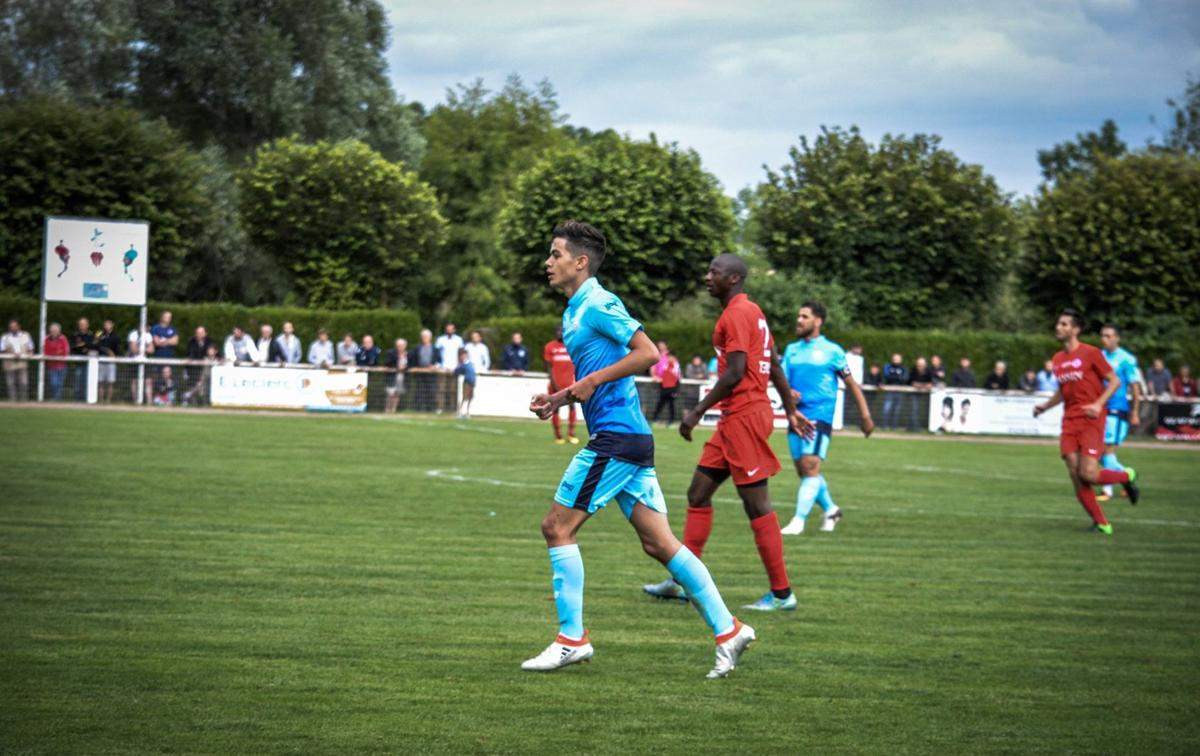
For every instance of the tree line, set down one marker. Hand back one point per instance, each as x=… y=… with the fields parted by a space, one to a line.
x=276 y=165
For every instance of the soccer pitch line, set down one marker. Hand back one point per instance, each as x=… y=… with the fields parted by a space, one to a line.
x=452 y=474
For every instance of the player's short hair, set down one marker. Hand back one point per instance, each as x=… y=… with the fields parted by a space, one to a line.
x=816 y=307
x=583 y=239
x=1113 y=326
x=1076 y=318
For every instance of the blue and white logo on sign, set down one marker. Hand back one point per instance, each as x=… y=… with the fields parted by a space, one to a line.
x=95 y=291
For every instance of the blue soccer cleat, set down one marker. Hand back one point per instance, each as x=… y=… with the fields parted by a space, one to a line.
x=768 y=603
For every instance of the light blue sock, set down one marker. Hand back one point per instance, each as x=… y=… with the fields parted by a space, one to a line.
x=567 y=566
x=807 y=496
x=1109 y=462
x=823 y=497
x=691 y=573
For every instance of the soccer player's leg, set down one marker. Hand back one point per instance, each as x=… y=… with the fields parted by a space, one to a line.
x=1116 y=428
x=697 y=526
x=807 y=456
x=643 y=504
x=1078 y=448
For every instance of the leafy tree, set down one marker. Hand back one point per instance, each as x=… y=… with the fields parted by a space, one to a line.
x=235 y=73
x=348 y=225
x=664 y=216
x=1120 y=242
x=478 y=141
x=918 y=234
x=1068 y=158
x=1183 y=134
x=57 y=158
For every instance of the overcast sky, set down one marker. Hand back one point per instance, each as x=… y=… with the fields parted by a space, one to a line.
x=739 y=82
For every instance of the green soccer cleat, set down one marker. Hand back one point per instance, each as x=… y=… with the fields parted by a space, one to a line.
x=1106 y=529
x=1131 y=489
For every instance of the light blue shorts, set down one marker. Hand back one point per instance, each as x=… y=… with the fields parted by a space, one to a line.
x=818 y=445
x=1116 y=428
x=590 y=482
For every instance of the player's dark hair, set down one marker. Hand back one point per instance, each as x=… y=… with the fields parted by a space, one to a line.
x=1113 y=326
x=1074 y=315
x=816 y=307
x=583 y=239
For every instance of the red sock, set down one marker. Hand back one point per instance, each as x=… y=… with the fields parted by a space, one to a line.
x=557 y=423
x=770 y=548
x=696 y=529
x=1087 y=497
x=1108 y=477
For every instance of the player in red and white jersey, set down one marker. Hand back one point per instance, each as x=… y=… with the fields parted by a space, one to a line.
x=740 y=448
x=562 y=374
x=1085 y=383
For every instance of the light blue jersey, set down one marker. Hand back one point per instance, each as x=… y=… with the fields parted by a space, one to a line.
x=813 y=367
x=597 y=329
x=1124 y=364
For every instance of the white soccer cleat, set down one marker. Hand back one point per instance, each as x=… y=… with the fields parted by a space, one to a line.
x=831 y=520
x=561 y=653
x=667 y=589
x=795 y=527
x=731 y=649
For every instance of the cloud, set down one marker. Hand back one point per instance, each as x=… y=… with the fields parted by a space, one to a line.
x=739 y=83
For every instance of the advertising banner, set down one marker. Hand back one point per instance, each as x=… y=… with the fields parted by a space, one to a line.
x=1178 y=421
x=289 y=388
x=95 y=260
x=507 y=395
x=976 y=412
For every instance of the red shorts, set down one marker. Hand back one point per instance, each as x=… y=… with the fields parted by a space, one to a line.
x=741 y=445
x=1083 y=436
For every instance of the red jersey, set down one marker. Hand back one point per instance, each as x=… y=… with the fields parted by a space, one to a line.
x=742 y=328
x=558 y=362
x=1080 y=375
x=667 y=371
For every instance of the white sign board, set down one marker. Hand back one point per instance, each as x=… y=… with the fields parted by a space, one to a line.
x=95 y=260
x=960 y=411
x=289 y=388
x=506 y=395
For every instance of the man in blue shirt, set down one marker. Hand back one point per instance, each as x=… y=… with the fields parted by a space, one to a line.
x=1122 y=413
x=813 y=365
x=608 y=348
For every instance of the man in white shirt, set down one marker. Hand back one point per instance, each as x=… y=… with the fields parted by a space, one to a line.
x=18 y=343
x=239 y=347
x=449 y=343
x=138 y=346
x=289 y=351
x=266 y=335
x=320 y=352
x=478 y=353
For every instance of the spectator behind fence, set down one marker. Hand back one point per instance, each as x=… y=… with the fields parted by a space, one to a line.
x=239 y=347
x=108 y=344
x=347 y=350
x=938 y=368
x=368 y=353
x=1158 y=378
x=425 y=355
x=964 y=377
x=695 y=369
x=267 y=350
x=288 y=349
x=516 y=357
x=997 y=380
x=1183 y=386
x=478 y=351
x=200 y=391
x=164 y=336
x=856 y=349
x=320 y=352
x=197 y=350
x=895 y=375
x=16 y=343
x=448 y=345
x=83 y=344
x=666 y=374
x=1028 y=382
x=466 y=369
x=921 y=376
x=139 y=342
x=396 y=361
x=874 y=376
x=1045 y=378
x=56 y=345
x=164 y=387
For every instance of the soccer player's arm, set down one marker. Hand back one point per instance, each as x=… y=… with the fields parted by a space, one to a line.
x=1053 y=401
x=800 y=424
x=866 y=423
x=1135 y=385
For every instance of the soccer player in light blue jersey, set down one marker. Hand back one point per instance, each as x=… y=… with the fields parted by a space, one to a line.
x=1122 y=412
x=608 y=348
x=813 y=365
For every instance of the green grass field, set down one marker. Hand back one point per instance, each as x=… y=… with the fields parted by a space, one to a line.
x=239 y=583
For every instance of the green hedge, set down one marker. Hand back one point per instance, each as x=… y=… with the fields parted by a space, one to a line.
x=685 y=337
x=219 y=319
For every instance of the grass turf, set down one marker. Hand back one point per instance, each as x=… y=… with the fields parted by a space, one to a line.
x=235 y=583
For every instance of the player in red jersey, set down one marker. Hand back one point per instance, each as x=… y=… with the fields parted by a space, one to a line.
x=1082 y=372
x=562 y=374
x=740 y=448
